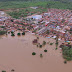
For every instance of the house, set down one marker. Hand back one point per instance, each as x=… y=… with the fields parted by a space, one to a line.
x=37 y=17
x=35 y=41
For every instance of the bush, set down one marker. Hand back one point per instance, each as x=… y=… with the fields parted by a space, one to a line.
x=23 y=33
x=67 y=53
x=2 y=26
x=40 y=46
x=65 y=62
x=45 y=50
x=12 y=34
x=41 y=55
x=56 y=48
x=3 y=71
x=51 y=43
x=44 y=43
x=56 y=43
x=2 y=32
x=18 y=34
x=33 y=53
x=8 y=32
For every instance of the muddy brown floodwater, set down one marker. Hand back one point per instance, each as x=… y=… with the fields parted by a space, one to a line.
x=16 y=53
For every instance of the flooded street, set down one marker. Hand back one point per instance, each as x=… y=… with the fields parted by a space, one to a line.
x=16 y=53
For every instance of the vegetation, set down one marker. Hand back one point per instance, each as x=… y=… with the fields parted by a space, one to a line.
x=56 y=42
x=12 y=34
x=56 y=48
x=22 y=8
x=65 y=61
x=60 y=4
x=18 y=34
x=2 y=26
x=25 y=12
x=45 y=50
x=23 y=33
x=33 y=53
x=67 y=52
x=41 y=55
x=51 y=43
x=44 y=43
x=11 y=20
x=2 y=32
x=3 y=71
x=40 y=46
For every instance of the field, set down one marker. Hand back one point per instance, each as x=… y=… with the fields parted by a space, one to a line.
x=45 y=4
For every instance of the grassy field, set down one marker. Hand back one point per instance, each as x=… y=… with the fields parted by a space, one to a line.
x=43 y=5
x=23 y=4
x=25 y=12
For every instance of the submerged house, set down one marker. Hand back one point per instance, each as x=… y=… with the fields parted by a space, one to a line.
x=35 y=41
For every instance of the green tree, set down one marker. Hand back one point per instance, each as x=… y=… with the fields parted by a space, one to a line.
x=23 y=33
x=18 y=34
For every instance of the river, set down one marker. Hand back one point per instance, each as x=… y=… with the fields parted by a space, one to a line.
x=16 y=53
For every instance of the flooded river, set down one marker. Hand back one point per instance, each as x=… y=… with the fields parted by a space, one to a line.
x=16 y=53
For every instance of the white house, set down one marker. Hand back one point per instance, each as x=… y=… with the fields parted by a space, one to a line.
x=36 y=17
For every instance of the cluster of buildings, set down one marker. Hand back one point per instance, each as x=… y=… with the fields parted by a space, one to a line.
x=54 y=23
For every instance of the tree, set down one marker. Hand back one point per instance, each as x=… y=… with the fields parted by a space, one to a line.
x=51 y=43
x=33 y=53
x=18 y=34
x=70 y=29
x=23 y=33
x=41 y=55
x=3 y=71
x=45 y=50
x=11 y=20
x=2 y=32
x=44 y=43
x=40 y=46
x=12 y=34
x=65 y=61
x=67 y=52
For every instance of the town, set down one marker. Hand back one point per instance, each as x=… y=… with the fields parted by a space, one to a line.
x=53 y=23
x=35 y=35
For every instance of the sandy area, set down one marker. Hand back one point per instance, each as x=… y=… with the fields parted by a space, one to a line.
x=16 y=53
